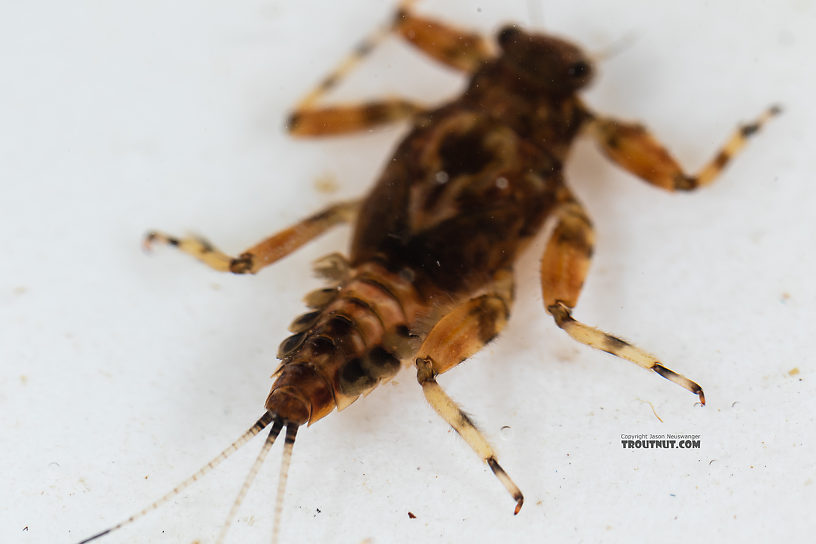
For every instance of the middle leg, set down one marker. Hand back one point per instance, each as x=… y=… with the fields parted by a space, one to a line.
x=265 y=252
x=563 y=268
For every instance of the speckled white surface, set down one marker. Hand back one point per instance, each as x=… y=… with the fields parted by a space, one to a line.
x=121 y=373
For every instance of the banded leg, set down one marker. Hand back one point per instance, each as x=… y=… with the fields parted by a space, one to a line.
x=310 y=121
x=266 y=252
x=454 y=48
x=563 y=268
x=457 y=336
x=633 y=148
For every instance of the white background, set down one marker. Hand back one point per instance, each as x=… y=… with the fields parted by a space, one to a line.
x=122 y=372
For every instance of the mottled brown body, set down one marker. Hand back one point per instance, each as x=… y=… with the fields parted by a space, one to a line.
x=429 y=277
x=464 y=192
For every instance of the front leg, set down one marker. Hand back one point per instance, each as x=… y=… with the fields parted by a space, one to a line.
x=457 y=49
x=633 y=148
x=453 y=47
x=310 y=121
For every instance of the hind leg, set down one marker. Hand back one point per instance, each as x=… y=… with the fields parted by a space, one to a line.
x=563 y=268
x=457 y=336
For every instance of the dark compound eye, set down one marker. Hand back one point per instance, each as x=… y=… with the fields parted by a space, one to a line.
x=578 y=69
x=508 y=34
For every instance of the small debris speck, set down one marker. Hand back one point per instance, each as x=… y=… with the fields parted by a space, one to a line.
x=326 y=183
